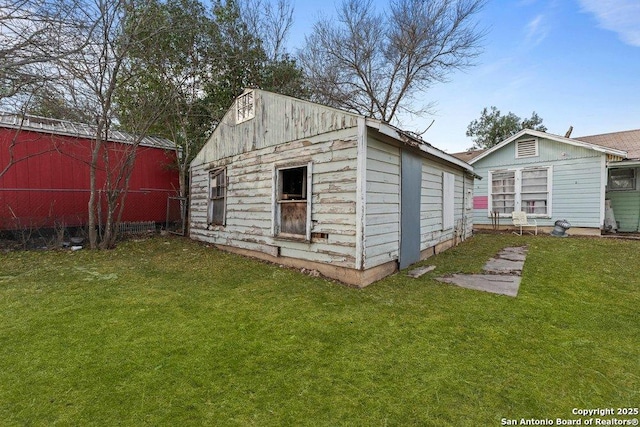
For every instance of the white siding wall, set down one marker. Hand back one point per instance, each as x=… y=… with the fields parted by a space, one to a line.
x=382 y=228
x=249 y=199
x=431 y=225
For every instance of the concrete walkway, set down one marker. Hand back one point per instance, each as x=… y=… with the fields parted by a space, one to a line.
x=502 y=273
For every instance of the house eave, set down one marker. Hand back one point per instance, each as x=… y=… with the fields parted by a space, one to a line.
x=624 y=163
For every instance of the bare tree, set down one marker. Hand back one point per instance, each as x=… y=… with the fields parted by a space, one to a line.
x=269 y=23
x=91 y=76
x=378 y=64
x=32 y=34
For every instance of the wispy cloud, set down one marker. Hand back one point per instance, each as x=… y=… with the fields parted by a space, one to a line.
x=537 y=30
x=619 y=16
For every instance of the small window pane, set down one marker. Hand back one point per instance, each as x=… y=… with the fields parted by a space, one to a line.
x=622 y=179
x=217 y=197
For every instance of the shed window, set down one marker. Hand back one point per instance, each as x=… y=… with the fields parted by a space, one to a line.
x=527 y=148
x=293 y=202
x=245 y=107
x=622 y=179
x=217 y=197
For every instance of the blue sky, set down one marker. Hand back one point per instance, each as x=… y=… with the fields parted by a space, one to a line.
x=574 y=62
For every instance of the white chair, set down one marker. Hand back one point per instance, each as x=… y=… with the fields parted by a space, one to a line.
x=520 y=220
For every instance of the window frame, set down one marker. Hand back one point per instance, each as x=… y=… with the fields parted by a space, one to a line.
x=518 y=201
x=245 y=107
x=278 y=201
x=504 y=193
x=632 y=179
x=213 y=178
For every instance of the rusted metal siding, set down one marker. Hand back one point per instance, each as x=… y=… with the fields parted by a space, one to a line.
x=278 y=119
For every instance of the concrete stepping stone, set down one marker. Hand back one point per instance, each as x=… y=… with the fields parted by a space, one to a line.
x=497 y=284
x=417 y=272
x=503 y=273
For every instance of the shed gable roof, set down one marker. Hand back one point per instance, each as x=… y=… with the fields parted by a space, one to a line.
x=552 y=137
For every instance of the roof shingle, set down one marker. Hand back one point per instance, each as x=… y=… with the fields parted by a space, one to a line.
x=628 y=141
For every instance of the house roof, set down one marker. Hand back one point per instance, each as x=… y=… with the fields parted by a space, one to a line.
x=467 y=156
x=79 y=130
x=557 y=138
x=628 y=141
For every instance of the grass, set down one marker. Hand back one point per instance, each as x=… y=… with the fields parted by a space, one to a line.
x=169 y=332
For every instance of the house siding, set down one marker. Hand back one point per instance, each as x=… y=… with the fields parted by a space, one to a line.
x=626 y=207
x=576 y=181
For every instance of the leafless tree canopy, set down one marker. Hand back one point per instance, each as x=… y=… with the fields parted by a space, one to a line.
x=269 y=23
x=33 y=33
x=378 y=64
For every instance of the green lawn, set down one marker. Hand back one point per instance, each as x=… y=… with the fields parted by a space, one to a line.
x=169 y=332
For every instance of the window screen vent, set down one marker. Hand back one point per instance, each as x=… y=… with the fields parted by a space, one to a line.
x=528 y=148
x=245 y=107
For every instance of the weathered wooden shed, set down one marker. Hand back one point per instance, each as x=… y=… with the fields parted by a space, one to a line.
x=309 y=186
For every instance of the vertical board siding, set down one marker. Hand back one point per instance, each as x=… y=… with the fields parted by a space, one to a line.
x=382 y=220
x=47 y=182
x=249 y=199
x=278 y=119
x=576 y=181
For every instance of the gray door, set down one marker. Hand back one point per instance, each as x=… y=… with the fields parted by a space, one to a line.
x=411 y=172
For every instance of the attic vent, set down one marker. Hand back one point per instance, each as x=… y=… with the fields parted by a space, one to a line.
x=245 y=107
x=527 y=148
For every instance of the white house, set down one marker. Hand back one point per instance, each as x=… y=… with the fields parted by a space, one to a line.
x=309 y=186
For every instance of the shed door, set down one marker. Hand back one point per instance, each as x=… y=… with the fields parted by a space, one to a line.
x=411 y=171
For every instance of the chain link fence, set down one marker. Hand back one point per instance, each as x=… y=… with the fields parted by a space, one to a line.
x=40 y=217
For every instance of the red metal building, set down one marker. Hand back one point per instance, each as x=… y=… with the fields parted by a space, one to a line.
x=44 y=173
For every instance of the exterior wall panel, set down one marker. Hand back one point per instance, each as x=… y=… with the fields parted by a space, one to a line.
x=576 y=181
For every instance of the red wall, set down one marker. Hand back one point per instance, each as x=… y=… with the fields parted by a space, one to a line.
x=48 y=181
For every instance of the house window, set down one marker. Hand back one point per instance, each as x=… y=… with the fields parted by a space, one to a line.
x=503 y=191
x=293 y=202
x=534 y=191
x=622 y=179
x=527 y=190
x=245 y=107
x=217 y=197
x=526 y=148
